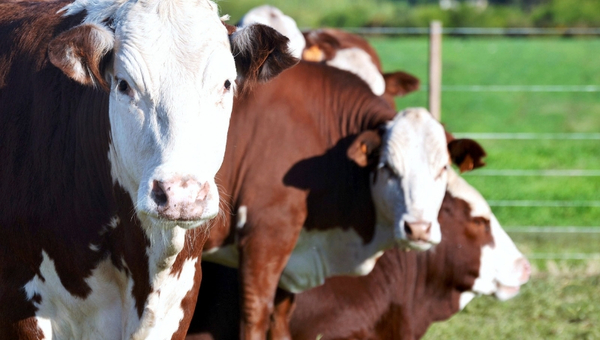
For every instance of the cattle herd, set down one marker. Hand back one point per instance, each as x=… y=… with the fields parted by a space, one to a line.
x=139 y=137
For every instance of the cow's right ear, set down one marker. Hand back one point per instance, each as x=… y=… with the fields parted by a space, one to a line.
x=80 y=51
x=400 y=83
x=261 y=53
x=467 y=154
x=365 y=148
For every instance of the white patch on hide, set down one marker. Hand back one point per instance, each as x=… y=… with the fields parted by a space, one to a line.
x=66 y=316
x=359 y=62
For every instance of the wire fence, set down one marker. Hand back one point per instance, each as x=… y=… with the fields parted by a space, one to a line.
x=522 y=31
x=476 y=88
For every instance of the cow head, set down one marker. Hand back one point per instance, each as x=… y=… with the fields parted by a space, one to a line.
x=502 y=267
x=170 y=73
x=409 y=179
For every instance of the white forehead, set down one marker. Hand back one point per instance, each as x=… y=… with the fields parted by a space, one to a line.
x=177 y=28
x=415 y=136
x=274 y=17
x=459 y=188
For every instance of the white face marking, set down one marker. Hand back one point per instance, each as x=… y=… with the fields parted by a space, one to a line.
x=273 y=17
x=169 y=107
x=359 y=62
x=411 y=179
x=503 y=268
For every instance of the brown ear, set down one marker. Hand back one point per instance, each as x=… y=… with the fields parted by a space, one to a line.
x=400 y=83
x=365 y=148
x=320 y=46
x=467 y=154
x=261 y=53
x=80 y=51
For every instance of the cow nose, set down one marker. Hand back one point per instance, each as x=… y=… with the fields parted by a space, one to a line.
x=418 y=231
x=180 y=199
x=524 y=268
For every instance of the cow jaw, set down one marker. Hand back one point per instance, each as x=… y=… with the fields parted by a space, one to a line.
x=503 y=268
x=409 y=184
x=169 y=108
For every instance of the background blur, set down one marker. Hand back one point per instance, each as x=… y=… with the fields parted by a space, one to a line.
x=534 y=103
x=452 y=13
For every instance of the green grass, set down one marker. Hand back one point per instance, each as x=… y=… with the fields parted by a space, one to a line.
x=560 y=301
x=551 y=306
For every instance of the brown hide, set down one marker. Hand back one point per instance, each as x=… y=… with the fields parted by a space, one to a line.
x=323 y=44
x=399 y=299
x=286 y=162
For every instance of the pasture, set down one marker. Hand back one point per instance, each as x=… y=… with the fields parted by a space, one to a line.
x=560 y=301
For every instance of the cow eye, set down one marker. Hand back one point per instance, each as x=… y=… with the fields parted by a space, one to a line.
x=227 y=85
x=389 y=169
x=123 y=86
x=444 y=169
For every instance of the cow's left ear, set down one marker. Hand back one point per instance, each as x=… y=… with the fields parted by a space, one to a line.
x=400 y=83
x=80 y=51
x=261 y=53
x=467 y=154
x=365 y=148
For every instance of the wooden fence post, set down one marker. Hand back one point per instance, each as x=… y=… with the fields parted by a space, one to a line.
x=435 y=69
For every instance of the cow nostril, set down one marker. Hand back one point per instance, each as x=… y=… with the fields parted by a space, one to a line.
x=158 y=194
x=407 y=229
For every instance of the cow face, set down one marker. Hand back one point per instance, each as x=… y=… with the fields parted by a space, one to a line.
x=170 y=73
x=409 y=182
x=502 y=267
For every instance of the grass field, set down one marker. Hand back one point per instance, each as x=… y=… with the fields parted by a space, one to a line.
x=561 y=300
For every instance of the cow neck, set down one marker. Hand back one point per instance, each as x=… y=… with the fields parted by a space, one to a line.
x=340 y=195
x=160 y=256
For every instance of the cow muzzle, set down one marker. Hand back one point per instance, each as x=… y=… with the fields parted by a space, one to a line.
x=181 y=199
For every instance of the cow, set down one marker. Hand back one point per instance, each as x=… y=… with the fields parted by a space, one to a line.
x=113 y=123
x=336 y=48
x=314 y=159
x=350 y=52
x=404 y=294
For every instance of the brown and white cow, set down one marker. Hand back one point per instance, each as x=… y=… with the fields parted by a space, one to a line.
x=404 y=294
x=324 y=176
x=336 y=48
x=350 y=52
x=113 y=123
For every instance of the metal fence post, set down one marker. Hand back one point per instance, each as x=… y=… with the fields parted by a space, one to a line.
x=435 y=69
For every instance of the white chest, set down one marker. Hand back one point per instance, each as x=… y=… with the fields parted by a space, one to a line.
x=109 y=311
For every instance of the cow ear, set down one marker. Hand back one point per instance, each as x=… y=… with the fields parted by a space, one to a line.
x=320 y=46
x=400 y=83
x=467 y=154
x=365 y=148
x=80 y=53
x=261 y=53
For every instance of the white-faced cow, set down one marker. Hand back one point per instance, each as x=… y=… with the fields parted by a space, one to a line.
x=404 y=294
x=324 y=176
x=113 y=123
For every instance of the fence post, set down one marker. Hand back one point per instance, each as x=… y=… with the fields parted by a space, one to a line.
x=435 y=69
